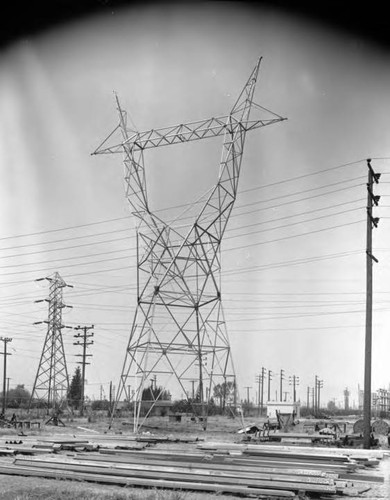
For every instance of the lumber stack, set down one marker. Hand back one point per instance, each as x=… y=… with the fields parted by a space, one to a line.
x=174 y=476
x=264 y=471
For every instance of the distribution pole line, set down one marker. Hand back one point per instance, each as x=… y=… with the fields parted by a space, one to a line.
x=315 y=394
x=371 y=223
x=84 y=336
x=5 y=341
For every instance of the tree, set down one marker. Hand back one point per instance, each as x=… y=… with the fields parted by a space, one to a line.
x=224 y=393
x=18 y=397
x=152 y=393
x=75 y=390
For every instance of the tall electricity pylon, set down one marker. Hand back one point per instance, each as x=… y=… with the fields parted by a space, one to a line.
x=52 y=382
x=179 y=333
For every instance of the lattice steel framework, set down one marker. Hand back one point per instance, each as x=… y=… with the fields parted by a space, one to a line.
x=179 y=333
x=52 y=382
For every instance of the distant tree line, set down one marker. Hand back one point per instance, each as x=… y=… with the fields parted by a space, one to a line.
x=223 y=396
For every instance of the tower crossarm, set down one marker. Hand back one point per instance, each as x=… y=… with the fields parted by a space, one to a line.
x=193 y=131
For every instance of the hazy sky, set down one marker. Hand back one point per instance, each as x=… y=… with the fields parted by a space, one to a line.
x=293 y=277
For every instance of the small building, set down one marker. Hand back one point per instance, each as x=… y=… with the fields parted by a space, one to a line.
x=284 y=408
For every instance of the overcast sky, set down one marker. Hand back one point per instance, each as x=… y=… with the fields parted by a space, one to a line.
x=293 y=278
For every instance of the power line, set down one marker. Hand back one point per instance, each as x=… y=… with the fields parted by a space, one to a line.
x=226 y=250
x=132 y=236
x=47 y=231
x=293 y=236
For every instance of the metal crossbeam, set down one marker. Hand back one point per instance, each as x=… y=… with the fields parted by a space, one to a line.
x=177 y=134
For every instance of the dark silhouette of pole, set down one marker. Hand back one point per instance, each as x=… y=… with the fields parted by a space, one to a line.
x=235 y=392
x=281 y=384
x=320 y=386
x=5 y=341
x=8 y=379
x=247 y=393
x=84 y=343
x=262 y=390
x=258 y=380
x=269 y=384
x=294 y=381
x=371 y=222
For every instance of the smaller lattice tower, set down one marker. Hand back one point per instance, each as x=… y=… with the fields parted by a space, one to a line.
x=52 y=382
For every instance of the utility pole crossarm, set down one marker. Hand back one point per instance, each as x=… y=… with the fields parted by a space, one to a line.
x=193 y=131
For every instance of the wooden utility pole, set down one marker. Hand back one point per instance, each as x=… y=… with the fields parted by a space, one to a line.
x=262 y=390
x=269 y=385
x=371 y=222
x=111 y=396
x=5 y=341
x=294 y=381
x=84 y=343
x=320 y=386
x=193 y=389
x=8 y=379
x=260 y=379
x=281 y=384
x=247 y=393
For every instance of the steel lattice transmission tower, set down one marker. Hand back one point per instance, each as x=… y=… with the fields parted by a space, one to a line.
x=179 y=333
x=52 y=382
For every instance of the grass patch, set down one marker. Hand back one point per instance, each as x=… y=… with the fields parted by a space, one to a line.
x=85 y=493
